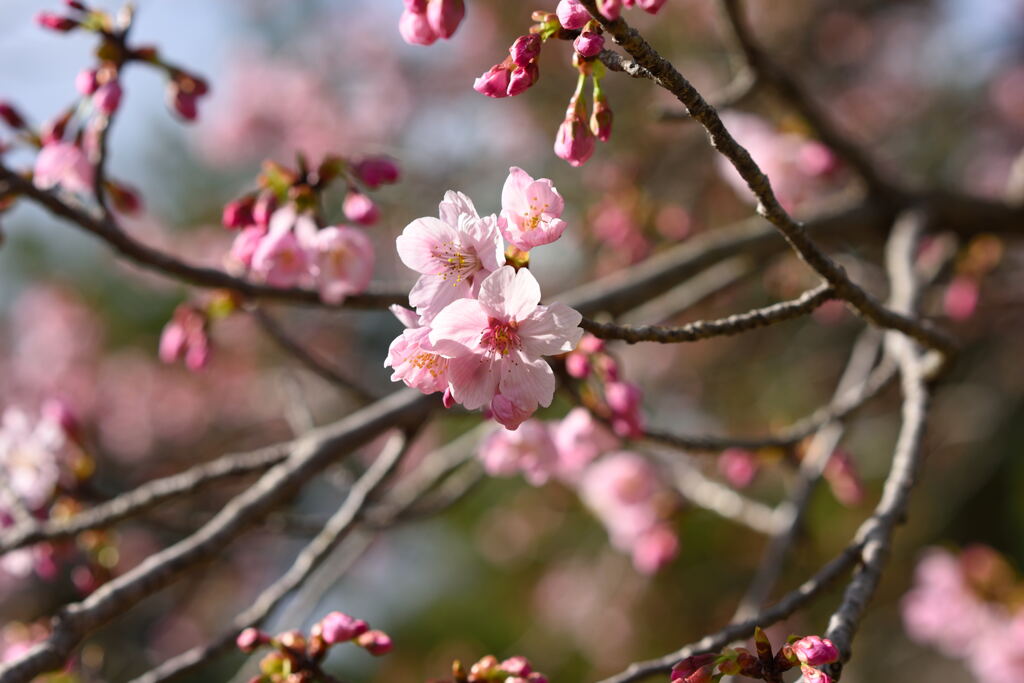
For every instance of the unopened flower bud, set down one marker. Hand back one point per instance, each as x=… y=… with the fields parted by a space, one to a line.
x=11 y=116
x=447 y=399
x=337 y=627
x=107 y=97
x=577 y=365
x=237 y=214
x=588 y=44
x=575 y=141
x=376 y=171
x=375 y=642
x=495 y=82
x=264 y=208
x=522 y=78
x=815 y=650
x=572 y=15
x=415 y=29
x=250 y=639
x=812 y=675
x=360 y=209
x=185 y=104
x=85 y=81
x=516 y=666
x=695 y=669
x=601 y=119
x=445 y=16
x=650 y=6
x=610 y=8
x=55 y=22
x=526 y=49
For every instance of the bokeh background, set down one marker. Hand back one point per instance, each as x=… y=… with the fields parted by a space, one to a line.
x=934 y=88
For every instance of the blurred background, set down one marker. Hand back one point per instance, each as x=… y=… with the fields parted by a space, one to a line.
x=935 y=89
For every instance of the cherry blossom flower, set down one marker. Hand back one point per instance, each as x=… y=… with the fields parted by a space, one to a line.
x=580 y=439
x=412 y=359
x=415 y=29
x=29 y=454
x=454 y=253
x=282 y=258
x=64 y=164
x=530 y=210
x=496 y=342
x=815 y=650
x=344 y=262
x=528 y=449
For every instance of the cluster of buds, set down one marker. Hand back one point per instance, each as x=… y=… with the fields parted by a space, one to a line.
x=282 y=240
x=296 y=657
x=808 y=653
x=424 y=21
x=516 y=73
x=619 y=401
x=490 y=669
x=579 y=132
x=186 y=337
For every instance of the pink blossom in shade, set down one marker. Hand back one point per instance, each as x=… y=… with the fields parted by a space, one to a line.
x=815 y=650
x=239 y=258
x=283 y=256
x=817 y=160
x=107 y=97
x=375 y=642
x=812 y=675
x=624 y=400
x=494 y=82
x=344 y=258
x=530 y=210
x=526 y=49
x=997 y=655
x=611 y=9
x=263 y=209
x=575 y=142
x=444 y=16
x=63 y=164
x=497 y=342
x=509 y=413
x=184 y=337
x=361 y=209
x=186 y=105
x=521 y=78
x=577 y=365
x=654 y=549
x=843 y=478
x=237 y=214
x=960 y=299
x=411 y=358
x=30 y=451
x=579 y=440
x=589 y=44
x=415 y=29
x=528 y=450
x=250 y=639
x=651 y=6
x=338 y=627
x=55 y=22
x=572 y=15
x=624 y=491
x=453 y=254
x=85 y=82
x=516 y=666
x=376 y=171
x=739 y=466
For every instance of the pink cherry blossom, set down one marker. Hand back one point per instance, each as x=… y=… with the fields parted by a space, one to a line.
x=739 y=466
x=444 y=16
x=624 y=400
x=508 y=412
x=528 y=449
x=580 y=439
x=651 y=6
x=655 y=548
x=282 y=258
x=960 y=300
x=85 y=82
x=64 y=164
x=812 y=675
x=815 y=650
x=415 y=29
x=107 y=97
x=344 y=262
x=239 y=258
x=454 y=253
x=530 y=210
x=496 y=342
x=412 y=359
x=337 y=627
x=29 y=454
x=361 y=209
x=575 y=141
x=376 y=171
x=572 y=15
x=494 y=82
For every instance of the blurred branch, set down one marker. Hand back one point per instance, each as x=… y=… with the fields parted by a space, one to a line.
x=153 y=259
x=705 y=329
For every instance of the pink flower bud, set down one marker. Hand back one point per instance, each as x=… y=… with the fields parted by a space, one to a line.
x=85 y=81
x=377 y=171
x=360 y=209
x=447 y=399
x=601 y=119
x=250 y=639
x=575 y=141
x=961 y=298
x=55 y=22
x=817 y=160
x=239 y=258
x=812 y=675
x=739 y=466
x=375 y=642
x=508 y=412
x=522 y=78
x=525 y=49
x=11 y=116
x=237 y=214
x=445 y=16
x=494 y=83
x=577 y=365
x=417 y=6
x=185 y=104
x=650 y=6
x=610 y=8
x=107 y=97
x=264 y=208
x=516 y=666
x=338 y=627
x=624 y=399
x=815 y=650
x=693 y=669
x=415 y=29
x=184 y=336
x=572 y=15
x=589 y=44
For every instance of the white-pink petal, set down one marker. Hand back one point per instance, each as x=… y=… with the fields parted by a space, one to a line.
x=420 y=242
x=473 y=380
x=457 y=329
x=550 y=330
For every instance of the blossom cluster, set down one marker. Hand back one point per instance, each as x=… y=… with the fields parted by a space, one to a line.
x=424 y=21
x=968 y=608
x=808 y=653
x=489 y=669
x=479 y=333
x=297 y=656
x=623 y=489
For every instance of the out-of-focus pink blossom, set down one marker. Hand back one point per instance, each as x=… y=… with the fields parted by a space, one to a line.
x=239 y=258
x=497 y=342
x=250 y=639
x=415 y=29
x=579 y=440
x=445 y=16
x=739 y=466
x=375 y=642
x=283 y=256
x=63 y=164
x=376 y=171
x=29 y=455
x=264 y=208
x=344 y=262
x=107 y=97
x=572 y=15
x=528 y=450
x=611 y=9
x=184 y=337
x=577 y=365
x=237 y=214
x=338 y=627
x=530 y=210
x=360 y=209
x=55 y=22
x=85 y=82
x=960 y=300
x=624 y=400
x=843 y=478
x=651 y=6
x=655 y=548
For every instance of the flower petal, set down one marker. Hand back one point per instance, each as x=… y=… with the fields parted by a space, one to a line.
x=419 y=242
x=550 y=330
x=473 y=380
x=526 y=381
x=456 y=330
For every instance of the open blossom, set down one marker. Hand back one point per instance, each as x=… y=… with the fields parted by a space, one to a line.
x=343 y=257
x=64 y=164
x=29 y=453
x=412 y=358
x=496 y=342
x=580 y=439
x=454 y=253
x=530 y=210
x=528 y=449
x=282 y=258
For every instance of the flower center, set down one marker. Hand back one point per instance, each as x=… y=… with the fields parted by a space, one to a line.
x=431 y=362
x=501 y=336
x=459 y=263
